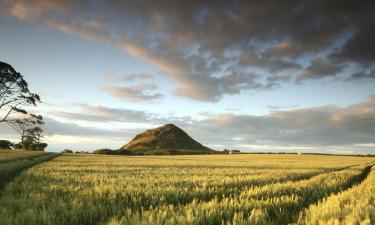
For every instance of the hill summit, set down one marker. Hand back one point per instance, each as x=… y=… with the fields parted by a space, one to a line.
x=166 y=137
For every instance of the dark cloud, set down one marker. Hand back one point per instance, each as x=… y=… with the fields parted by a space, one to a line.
x=363 y=75
x=201 y=45
x=319 y=68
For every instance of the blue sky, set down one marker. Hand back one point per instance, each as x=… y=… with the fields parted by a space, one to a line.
x=109 y=77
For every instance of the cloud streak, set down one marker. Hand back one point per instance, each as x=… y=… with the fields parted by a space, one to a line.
x=102 y=114
x=134 y=93
x=113 y=76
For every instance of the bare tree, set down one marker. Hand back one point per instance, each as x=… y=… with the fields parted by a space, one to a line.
x=14 y=93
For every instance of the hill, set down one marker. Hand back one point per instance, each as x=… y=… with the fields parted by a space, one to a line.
x=167 y=139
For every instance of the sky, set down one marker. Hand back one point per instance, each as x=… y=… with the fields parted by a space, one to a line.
x=296 y=76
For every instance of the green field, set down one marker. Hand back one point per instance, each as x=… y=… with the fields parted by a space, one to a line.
x=206 y=189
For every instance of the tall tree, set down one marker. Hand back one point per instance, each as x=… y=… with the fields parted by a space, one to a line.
x=14 y=93
x=29 y=129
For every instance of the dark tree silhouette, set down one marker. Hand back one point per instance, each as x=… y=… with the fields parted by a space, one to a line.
x=14 y=93
x=35 y=134
x=33 y=139
x=5 y=144
x=29 y=129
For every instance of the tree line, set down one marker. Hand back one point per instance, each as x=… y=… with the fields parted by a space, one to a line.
x=15 y=97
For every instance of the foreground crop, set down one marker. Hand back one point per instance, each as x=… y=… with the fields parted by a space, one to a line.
x=231 y=189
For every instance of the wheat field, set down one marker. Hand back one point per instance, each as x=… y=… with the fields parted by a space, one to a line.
x=209 y=189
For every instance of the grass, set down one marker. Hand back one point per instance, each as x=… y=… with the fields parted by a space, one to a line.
x=191 y=189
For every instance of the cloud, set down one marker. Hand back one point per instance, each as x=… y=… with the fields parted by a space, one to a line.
x=363 y=75
x=103 y=114
x=319 y=68
x=114 y=76
x=55 y=127
x=200 y=45
x=322 y=126
x=347 y=129
x=62 y=135
x=134 y=93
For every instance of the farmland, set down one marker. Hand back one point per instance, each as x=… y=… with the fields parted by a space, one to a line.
x=209 y=189
x=13 y=162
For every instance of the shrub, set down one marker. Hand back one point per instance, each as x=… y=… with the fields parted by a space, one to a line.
x=38 y=146
x=5 y=144
x=67 y=151
x=18 y=146
x=106 y=151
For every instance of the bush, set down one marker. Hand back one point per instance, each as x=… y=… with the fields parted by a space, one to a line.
x=81 y=152
x=103 y=151
x=106 y=151
x=67 y=151
x=5 y=144
x=32 y=147
x=38 y=146
x=18 y=146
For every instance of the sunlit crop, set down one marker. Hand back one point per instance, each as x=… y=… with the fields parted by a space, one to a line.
x=213 y=189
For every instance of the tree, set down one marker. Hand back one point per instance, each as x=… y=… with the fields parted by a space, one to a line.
x=14 y=93
x=29 y=129
x=5 y=144
x=35 y=134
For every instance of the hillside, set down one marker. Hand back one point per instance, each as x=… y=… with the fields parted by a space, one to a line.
x=168 y=139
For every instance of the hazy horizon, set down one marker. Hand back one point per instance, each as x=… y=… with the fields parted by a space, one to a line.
x=236 y=74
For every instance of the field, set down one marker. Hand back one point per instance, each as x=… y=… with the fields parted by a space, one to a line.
x=13 y=162
x=206 y=189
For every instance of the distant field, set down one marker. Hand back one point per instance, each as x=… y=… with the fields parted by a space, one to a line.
x=209 y=189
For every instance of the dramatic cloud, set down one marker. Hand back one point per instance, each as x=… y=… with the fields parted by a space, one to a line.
x=319 y=68
x=211 y=49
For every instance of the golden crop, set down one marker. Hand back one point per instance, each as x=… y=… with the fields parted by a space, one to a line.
x=209 y=189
